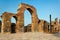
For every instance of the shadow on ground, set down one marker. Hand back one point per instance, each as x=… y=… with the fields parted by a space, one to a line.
x=57 y=34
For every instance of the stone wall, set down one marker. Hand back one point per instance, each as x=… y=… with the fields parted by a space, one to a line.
x=55 y=26
x=27 y=28
x=43 y=26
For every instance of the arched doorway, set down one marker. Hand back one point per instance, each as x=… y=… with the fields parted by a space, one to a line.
x=6 y=22
x=27 y=21
x=20 y=18
x=13 y=24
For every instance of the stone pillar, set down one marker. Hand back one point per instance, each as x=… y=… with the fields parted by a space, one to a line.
x=50 y=24
x=34 y=22
x=41 y=25
x=6 y=24
x=20 y=21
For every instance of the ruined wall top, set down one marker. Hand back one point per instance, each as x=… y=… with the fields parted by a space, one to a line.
x=25 y=6
x=8 y=14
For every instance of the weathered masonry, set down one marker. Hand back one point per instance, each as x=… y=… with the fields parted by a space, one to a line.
x=36 y=25
x=19 y=16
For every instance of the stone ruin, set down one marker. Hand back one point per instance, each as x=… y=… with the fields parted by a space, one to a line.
x=36 y=26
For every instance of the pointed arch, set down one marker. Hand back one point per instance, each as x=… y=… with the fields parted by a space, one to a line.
x=20 y=17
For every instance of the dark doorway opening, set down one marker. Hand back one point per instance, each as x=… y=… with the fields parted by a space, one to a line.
x=13 y=28
x=13 y=25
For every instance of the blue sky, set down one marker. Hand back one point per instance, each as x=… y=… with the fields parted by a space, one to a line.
x=44 y=8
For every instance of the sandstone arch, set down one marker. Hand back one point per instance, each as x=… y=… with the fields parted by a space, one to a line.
x=6 y=22
x=20 y=18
